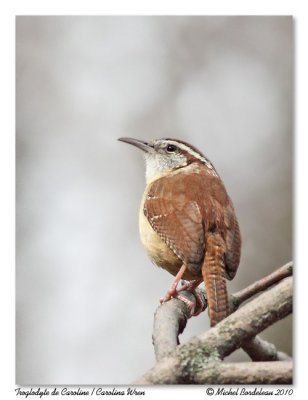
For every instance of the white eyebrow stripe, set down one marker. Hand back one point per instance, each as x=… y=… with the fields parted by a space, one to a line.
x=193 y=153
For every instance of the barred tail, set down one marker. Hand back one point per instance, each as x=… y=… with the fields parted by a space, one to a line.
x=213 y=272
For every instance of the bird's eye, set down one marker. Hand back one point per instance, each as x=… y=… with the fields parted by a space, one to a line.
x=171 y=148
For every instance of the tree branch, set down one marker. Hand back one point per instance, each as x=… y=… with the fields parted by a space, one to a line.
x=246 y=373
x=171 y=318
x=259 y=286
x=189 y=359
x=259 y=349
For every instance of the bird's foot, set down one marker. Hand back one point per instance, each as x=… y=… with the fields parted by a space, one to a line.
x=173 y=293
x=195 y=307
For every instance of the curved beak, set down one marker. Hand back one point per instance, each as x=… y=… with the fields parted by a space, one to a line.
x=142 y=145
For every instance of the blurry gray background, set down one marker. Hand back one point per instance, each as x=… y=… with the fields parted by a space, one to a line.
x=86 y=291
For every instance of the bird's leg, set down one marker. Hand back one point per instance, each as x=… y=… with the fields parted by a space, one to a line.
x=172 y=291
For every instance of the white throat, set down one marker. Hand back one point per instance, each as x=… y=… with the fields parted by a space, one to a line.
x=155 y=168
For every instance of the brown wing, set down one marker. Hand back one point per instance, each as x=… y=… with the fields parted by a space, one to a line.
x=177 y=219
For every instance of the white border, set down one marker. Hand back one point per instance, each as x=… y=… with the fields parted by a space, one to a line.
x=159 y=7
x=7 y=148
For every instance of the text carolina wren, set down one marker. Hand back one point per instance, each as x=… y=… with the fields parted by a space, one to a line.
x=187 y=221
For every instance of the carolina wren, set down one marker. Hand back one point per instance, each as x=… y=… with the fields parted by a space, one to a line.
x=187 y=222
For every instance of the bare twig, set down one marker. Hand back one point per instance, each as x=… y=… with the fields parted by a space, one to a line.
x=191 y=358
x=259 y=349
x=259 y=286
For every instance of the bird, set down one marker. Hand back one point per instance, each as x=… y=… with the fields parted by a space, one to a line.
x=187 y=221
